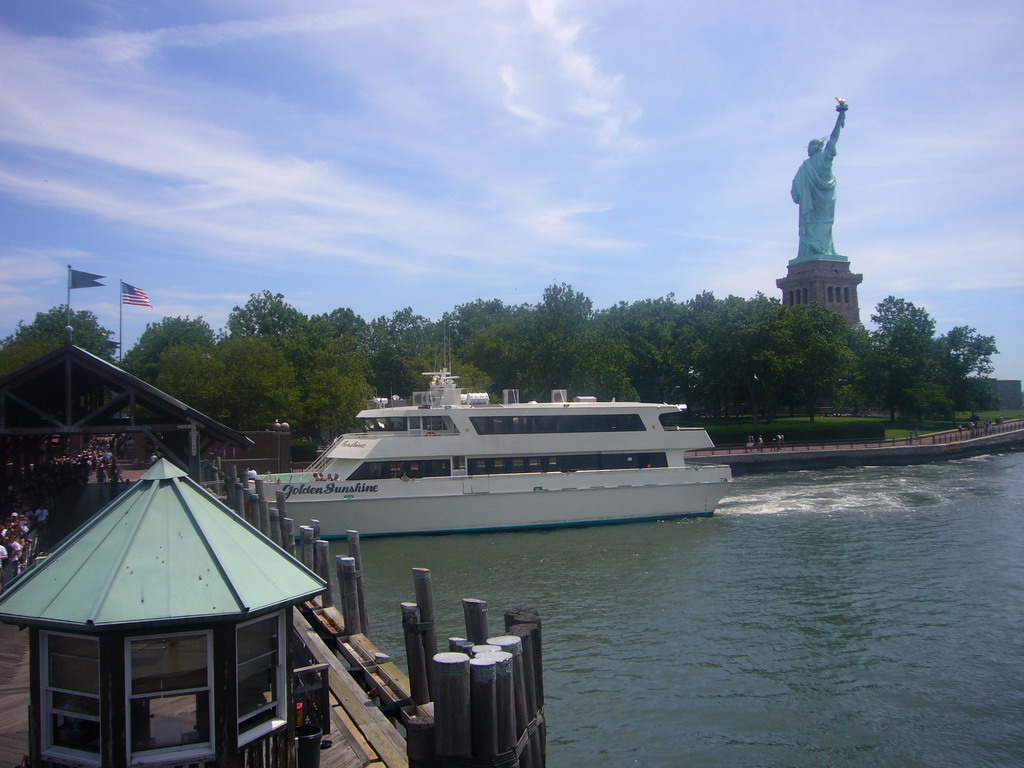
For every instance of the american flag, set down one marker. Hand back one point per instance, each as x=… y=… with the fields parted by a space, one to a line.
x=135 y=296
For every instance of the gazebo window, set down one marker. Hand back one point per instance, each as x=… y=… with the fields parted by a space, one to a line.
x=71 y=688
x=169 y=696
x=261 y=676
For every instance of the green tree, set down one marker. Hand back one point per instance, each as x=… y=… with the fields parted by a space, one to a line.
x=927 y=399
x=467 y=321
x=343 y=322
x=333 y=387
x=194 y=375
x=821 y=359
x=16 y=353
x=46 y=332
x=264 y=314
x=391 y=344
x=659 y=335
x=499 y=351
x=964 y=363
x=740 y=353
x=143 y=359
x=901 y=355
x=259 y=385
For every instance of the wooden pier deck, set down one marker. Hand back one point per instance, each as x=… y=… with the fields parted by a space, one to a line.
x=13 y=694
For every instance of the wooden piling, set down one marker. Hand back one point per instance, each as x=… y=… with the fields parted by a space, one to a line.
x=505 y=701
x=532 y=617
x=306 y=539
x=315 y=525
x=275 y=526
x=529 y=632
x=415 y=657
x=288 y=535
x=419 y=736
x=252 y=511
x=355 y=551
x=346 y=567
x=322 y=560
x=475 y=612
x=452 y=734
x=513 y=645
x=483 y=706
x=264 y=508
x=230 y=491
x=280 y=498
x=424 y=591
x=241 y=499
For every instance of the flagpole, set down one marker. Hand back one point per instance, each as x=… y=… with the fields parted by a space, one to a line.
x=68 y=323
x=120 y=320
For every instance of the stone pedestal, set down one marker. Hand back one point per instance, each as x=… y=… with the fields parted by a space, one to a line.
x=823 y=282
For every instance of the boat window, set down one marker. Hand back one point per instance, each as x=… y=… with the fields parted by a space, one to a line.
x=547 y=424
x=374 y=470
x=566 y=463
x=435 y=424
x=386 y=424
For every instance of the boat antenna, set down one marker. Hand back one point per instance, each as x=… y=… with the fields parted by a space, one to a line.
x=447 y=345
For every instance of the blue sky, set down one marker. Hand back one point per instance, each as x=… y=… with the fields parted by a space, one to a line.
x=383 y=154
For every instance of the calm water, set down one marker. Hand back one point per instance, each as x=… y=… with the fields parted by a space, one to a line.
x=862 y=617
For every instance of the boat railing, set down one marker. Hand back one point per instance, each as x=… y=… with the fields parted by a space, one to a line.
x=321 y=461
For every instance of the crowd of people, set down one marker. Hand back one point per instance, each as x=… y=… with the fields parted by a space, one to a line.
x=777 y=444
x=26 y=502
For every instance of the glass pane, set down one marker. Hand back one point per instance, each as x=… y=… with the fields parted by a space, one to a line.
x=260 y=717
x=73 y=733
x=71 y=703
x=168 y=663
x=258 y=665
x=256 y=689
x=257 y=638
x=73 y=663
x=170 y=721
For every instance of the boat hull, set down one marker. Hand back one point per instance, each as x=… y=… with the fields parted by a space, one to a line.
x=489 y=503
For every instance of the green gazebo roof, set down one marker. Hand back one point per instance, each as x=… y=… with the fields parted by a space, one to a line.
x=163 y=551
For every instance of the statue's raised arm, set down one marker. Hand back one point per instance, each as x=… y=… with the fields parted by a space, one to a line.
x=814 y=190
x=840 y=122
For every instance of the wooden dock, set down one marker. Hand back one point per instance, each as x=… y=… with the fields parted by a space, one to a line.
x=13 y=694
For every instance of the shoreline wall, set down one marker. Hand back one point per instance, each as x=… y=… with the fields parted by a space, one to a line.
x=794 y=459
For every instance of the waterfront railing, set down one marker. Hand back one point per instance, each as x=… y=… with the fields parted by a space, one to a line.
x=961 y=434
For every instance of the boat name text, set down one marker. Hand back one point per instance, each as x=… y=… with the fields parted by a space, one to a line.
x=325 y=489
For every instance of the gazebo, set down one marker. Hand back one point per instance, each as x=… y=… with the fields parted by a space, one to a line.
x=160 y=635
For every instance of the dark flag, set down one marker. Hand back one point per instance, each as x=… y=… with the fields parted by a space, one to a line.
x=134 y=296
x=78 y=279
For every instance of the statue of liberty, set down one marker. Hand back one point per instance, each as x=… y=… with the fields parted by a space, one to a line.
x=814 y=190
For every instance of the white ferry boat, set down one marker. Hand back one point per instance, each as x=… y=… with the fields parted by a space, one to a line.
x=451 y=461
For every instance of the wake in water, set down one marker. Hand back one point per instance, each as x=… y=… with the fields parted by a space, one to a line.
x=869 y=490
